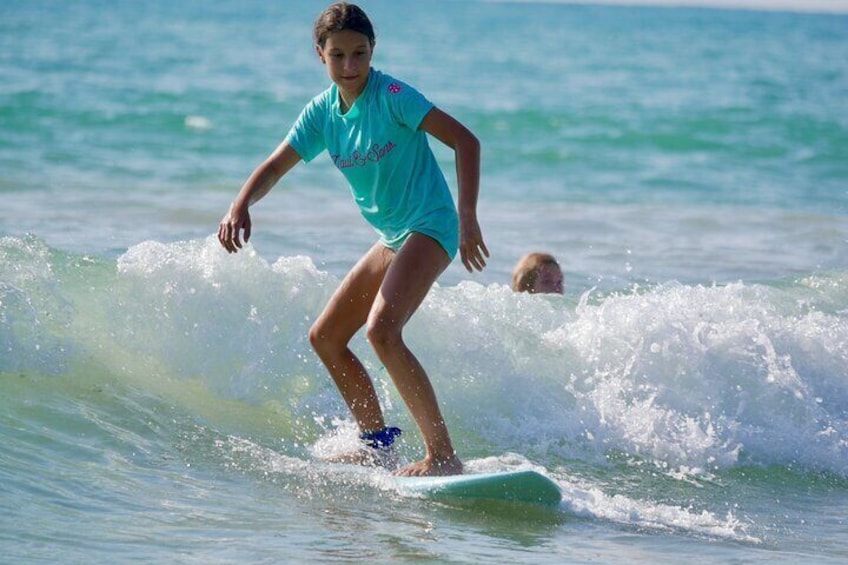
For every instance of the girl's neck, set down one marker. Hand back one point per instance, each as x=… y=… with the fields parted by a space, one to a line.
x=348 y=99
x=345 y=103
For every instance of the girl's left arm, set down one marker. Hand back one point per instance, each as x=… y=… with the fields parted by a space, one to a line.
x=466 y=147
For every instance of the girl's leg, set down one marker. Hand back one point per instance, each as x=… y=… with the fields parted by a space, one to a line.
x=346 y=312
x=411 y=274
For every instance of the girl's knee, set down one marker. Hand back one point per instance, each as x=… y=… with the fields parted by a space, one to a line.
x=315 y=336
x=382 y=335
x=321 y=341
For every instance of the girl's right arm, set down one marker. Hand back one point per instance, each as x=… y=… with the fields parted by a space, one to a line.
x=260 y=183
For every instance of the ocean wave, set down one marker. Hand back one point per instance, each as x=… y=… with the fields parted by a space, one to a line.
x=701 y=378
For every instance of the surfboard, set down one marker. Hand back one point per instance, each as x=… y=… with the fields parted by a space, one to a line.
x=525 y=486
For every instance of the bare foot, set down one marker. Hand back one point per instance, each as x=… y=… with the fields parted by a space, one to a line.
x=431 y=467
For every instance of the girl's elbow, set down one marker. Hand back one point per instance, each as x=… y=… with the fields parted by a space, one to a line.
x=475 y=142
x=470 y=143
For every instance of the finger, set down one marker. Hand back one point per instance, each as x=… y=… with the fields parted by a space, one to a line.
x=479 y=263
x=477 y=254
x=222 y=237
x=481 y=253
x=471 y=261
x=485 y=249
x=236 y=240
x=228 y=238
x=467 y=265
x=464 y=256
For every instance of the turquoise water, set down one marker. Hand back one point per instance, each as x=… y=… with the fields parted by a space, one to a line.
x=689 y=168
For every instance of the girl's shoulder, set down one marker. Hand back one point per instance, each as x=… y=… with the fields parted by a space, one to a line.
x=325 y=97
x=402 y=102
x=319 y=107
x=386 y=84
x=396 y=95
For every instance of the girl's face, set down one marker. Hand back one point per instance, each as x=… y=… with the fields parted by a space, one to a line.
x=347 y=54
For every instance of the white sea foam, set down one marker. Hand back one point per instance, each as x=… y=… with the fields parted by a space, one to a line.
x=691 y=379
x=688 y=378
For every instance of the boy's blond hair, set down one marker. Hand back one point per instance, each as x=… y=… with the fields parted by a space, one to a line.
x=527 y=270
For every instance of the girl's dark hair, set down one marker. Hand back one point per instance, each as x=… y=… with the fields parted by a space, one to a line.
x=341 y=16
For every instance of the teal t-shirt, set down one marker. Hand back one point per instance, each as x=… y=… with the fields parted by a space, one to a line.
x=393 y=174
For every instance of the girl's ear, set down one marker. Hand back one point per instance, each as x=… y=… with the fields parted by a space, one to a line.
x=320 y=54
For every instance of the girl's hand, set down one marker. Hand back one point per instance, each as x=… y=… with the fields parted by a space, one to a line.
x=472 y=248
x=232 y=224
x=257 y=186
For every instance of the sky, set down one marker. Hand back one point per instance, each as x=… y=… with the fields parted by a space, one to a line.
x=825 y=6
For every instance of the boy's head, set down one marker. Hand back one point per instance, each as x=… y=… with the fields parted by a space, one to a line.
x=537 y=273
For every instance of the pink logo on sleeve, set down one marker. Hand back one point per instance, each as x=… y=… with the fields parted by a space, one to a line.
x=394 y=88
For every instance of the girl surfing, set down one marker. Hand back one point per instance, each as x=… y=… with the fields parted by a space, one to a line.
x=374 y=128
